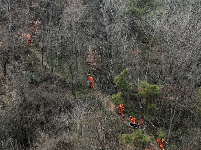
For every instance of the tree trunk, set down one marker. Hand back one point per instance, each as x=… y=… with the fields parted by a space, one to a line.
x=72 y=78
x=171 y=122
x=4 y=65
x=42 y=52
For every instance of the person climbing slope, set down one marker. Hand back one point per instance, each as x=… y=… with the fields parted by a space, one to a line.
x=121 y=109
x=133 y=123
x=90 y=81
x=29 y=40
x=161 y=144
x=164 y=142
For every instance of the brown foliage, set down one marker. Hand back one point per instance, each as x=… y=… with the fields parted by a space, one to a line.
x=93 y=60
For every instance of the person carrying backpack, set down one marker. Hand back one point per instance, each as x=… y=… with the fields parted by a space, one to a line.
x=162 y=143
x=133 y=123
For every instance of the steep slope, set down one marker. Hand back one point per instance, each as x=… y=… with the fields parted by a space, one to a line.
x=108 y=105
x=40 y=112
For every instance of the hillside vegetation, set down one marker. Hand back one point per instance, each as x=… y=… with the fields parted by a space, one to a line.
x=144 y=54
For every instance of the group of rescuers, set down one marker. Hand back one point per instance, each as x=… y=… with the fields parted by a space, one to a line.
x=162 y=142
x=132 y=119
x=90 y=83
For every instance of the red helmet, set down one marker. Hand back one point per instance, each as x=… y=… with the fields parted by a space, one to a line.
x=130 y=116
x=89 y=74
x=28 y=36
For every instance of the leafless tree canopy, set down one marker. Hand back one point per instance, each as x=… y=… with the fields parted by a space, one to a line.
x=45 y=103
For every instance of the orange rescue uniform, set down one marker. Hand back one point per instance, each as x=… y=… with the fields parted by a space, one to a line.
x=133 y=120
x=29 y=40
x=121 y=109
x=161 y=144
x=90 y=78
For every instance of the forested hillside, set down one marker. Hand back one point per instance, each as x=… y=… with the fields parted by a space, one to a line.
x=144 y=54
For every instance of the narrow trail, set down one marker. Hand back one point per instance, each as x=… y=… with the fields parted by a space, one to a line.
x=111 y=107
x=107 y=103
x=106 y=100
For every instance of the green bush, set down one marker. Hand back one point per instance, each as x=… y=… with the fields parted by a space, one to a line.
x=140 y=8
x=126 y=138
x=122 y=83
x=148 y=90
x=161 y=134
x=136 y=138
x=140 y=138
x=117 y=98
x=152 y=108
x=32 y=79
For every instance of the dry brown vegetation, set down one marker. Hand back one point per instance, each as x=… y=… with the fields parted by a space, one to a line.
x=44 y=101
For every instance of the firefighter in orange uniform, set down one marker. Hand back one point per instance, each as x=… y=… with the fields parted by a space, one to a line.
x=90 y=81
x=29 y=40
x=121 y=109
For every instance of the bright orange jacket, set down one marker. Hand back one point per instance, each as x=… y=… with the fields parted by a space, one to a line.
x=133 y=120
x=121 y=109
x=28 y=36
x=121 y=106
x=159 y=141
x=90 y=78
x=161 y=144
